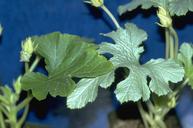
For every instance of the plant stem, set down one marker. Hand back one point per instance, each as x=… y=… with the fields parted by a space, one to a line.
x=24 y=116
x=2 y=122
x=143 y=114
x=167 y=47
x=177 y=90
x=26 y=66
x=25 y=102
x=176 y=40
x=111 y=16
x=35 y=63
x=171 y=47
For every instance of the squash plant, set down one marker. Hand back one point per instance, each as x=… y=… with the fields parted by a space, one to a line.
x=157 y=83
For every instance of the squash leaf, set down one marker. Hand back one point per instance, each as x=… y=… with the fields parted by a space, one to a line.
x=87 y=89
x=66 y=56
x=126 y=53
x=185 y=58
x=175 y=7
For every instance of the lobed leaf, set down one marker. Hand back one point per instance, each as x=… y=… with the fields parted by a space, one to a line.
x=175 y=7
x=66 y=56
x=126 y=53
x=87 y=89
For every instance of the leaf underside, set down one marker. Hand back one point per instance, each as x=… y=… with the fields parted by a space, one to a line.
x=126 y=53
x=66 y=56
x=175 y=7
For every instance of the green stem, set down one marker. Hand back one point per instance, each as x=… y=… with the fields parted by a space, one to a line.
x=25 y=102
x=26 y=66
x=179 y=88
x=176 y=40
x=172 y=53
x=167 y=47
x=143 y=114
x=35 y=63
x=111 y=16
x=2 y=122
x=2 y=109
x=161 y=123
x=24 y=116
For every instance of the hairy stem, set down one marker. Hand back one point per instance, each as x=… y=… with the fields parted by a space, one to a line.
x=111 y=16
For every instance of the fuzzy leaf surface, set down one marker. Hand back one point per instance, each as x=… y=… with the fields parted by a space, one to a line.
x=175 y=7
x=66 y=56
x=126 y=53
x=87 y=90
x=185 y=58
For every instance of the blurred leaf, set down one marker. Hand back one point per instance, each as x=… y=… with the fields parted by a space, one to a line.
x=185 y=58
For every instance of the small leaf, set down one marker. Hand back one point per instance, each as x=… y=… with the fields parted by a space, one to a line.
x=185 y=58
x=41 y=85
x=126 y=53
x=85 y=92
x=66 y=56
x=87 y=89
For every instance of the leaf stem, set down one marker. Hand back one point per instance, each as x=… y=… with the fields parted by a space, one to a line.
x=176 y=91
x=35 y=63
x=167 y=47
x=171 y=46
x=24 y=116
x=26 y=66
x=111 y=16
x=176 y=40
x=25 y=102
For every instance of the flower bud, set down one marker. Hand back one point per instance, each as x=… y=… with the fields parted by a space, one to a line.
x=96 y=3
x=27 y=50
x=164 y=16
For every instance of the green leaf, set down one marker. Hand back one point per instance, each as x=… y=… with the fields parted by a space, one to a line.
x=175 y=7
x=41 y=85
x=180 y=7
x=185 y=58
x=66 y=56
x=126 y=53
x=87 y=89
x=145 y=4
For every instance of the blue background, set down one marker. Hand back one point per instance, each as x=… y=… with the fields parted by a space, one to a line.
x=23 y=18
